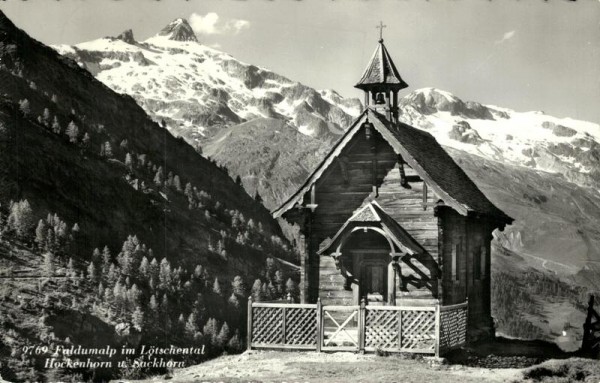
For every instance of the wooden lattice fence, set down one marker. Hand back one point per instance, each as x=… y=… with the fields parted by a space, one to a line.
x=453 y=326
x=282 y=325
x=426 y=329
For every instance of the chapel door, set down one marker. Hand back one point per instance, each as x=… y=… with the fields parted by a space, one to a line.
x=374 y=283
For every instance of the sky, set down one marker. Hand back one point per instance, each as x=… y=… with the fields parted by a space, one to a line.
x=524 y=55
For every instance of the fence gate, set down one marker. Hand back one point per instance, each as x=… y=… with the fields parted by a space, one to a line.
x=341 y=328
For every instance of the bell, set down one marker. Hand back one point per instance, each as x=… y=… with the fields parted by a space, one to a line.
x=380 y=99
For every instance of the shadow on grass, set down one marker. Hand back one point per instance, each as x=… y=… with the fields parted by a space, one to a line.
x=506 y=353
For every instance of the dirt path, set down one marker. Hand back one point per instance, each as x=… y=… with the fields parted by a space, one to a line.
x=271 y=366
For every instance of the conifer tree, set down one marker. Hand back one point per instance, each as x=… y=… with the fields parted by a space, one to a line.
x=154 y=269
x=40 y=234
x=144 y=268
x=71 y=268
x=256 y=291
x=211 y=330
x=265 y=292
x=108 y=153
x=20 y=218
x=191 y=326
x=91 y=271
x=85 y=141
x=292 y=288
x=48 y=264
x=137 y=318
x=159 y=176
x=73 y=132
x=177 y=183
x=50 y=240
x=235 y=344
x=188 y=190
x=217 y=287
x=128 y=161
x=96 y=255
x=56 y=128
x=153 y=304
x=46 y=117
x=24 y=107
x=112 y=276
x=239 y=287
x=106 y=260
x=165 y=276
x=223 y=336
x=134 y=294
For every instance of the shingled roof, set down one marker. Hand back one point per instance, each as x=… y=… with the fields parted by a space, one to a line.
x=381 y=70
x=373 y=215
x=424 y=154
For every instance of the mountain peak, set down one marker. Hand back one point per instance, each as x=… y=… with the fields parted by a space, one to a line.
x=179 y=30
x=5 y=23
x=127 y=36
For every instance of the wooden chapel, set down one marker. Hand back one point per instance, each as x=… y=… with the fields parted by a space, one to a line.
x=389 y=217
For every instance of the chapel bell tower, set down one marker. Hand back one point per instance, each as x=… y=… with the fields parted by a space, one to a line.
x=381 y=82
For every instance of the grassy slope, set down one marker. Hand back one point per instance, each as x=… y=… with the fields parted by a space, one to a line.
x=346 y=367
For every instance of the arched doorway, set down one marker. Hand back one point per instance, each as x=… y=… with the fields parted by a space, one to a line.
x=367 y=254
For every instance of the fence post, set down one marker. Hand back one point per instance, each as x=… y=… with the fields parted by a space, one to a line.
x=249 y=330
x=283 y=329
x=400 y=330
x=361 y=327
x=437 y=329
x=319 y=324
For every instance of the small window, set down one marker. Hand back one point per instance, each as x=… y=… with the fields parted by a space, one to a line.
x=483 y=260
x=455 y=253
x=477 y=263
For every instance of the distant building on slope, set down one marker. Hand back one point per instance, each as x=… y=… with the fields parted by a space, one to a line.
x=389 y=218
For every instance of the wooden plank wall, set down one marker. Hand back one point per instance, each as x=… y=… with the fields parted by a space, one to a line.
x=406 y=207
x=339 y=192
x=453 y=241
x=472 y=236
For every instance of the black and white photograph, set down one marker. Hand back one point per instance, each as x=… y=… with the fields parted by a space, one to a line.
x=337 y=191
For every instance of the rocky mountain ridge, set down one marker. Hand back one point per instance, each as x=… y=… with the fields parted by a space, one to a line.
x=197 y=90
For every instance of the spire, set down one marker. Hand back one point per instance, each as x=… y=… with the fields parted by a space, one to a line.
x=381 y=71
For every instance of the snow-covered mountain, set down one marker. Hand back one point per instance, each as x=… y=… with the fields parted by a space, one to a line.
x=196 y=89
x=530 y=139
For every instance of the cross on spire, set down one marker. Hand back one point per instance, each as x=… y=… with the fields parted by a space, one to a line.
x=380 y=27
